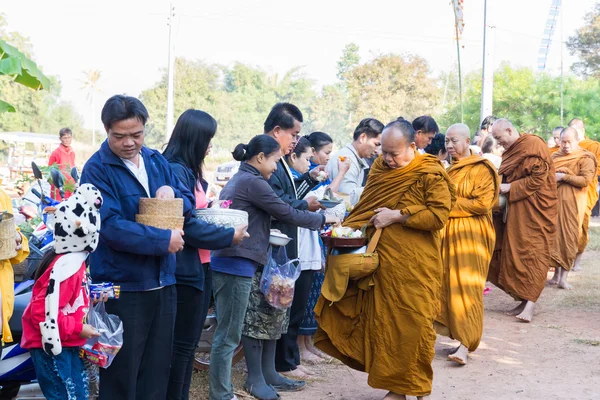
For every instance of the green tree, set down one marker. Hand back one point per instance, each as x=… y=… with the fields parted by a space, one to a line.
x=586 y=45
x=390 y=86
x=349 y=59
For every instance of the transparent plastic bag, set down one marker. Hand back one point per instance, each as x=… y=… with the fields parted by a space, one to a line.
x=279 y=278
x=103 y=349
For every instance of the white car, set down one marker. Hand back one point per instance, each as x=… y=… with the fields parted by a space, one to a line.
x=225 y=172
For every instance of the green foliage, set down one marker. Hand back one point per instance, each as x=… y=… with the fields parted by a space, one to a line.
x=31 y=111
x=530 y=100
x=585 y=44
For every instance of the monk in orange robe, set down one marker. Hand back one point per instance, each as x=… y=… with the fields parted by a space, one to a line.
x=467 y=244
x=556 y=137
x=386 y=329
x=523 y=251
x=575 y=169
x=593 y=147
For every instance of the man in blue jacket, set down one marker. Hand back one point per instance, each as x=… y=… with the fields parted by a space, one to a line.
x=139 y=258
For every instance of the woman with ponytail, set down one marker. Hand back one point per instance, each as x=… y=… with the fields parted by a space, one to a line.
x=237 y=271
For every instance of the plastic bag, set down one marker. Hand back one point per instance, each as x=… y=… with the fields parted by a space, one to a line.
x=279 y=278
x=103 y=349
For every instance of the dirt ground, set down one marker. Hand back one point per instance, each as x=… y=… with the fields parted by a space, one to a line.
x=557 y=356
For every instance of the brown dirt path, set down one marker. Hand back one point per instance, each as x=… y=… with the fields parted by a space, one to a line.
x=555 y=357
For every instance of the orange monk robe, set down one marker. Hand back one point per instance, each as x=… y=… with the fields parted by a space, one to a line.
x=467 y=246
x=580 y=167
x=593 y=147
x=523 y=251
x=387 y=331
x=554 y=149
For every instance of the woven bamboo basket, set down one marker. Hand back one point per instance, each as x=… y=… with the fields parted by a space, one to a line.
x=162 y=207
x=160 y=221
x=8 y=244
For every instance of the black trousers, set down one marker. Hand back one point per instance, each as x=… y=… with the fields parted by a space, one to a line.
x=192 y=307
x=287 y=355
x=140 y=370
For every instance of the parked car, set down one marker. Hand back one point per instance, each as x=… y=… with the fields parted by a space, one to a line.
x=225 y=172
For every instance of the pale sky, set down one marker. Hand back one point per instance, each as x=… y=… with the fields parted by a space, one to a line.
x=128 y=39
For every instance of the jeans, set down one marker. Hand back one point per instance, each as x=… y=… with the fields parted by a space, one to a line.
x=61 y=377
x=231 y=299
x=140 y=370
x=192 y=307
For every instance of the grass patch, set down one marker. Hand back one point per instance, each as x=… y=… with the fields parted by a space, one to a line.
x=587 y=342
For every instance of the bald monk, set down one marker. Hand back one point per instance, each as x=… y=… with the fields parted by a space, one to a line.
x=575 y=169
x=593 y=147
x=467 y=244
x=556 y=137
x=523 y=251
x=387 y=330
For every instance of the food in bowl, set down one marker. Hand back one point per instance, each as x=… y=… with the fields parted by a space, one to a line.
x=225 y=217
x=345 y=232
x=279 y=239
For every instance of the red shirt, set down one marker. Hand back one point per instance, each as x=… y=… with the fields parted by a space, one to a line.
x=62 y=156
x=73 y=306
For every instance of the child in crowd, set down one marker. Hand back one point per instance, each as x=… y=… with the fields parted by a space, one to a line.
x=53 y=323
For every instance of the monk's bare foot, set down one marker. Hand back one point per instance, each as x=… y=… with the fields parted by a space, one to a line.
x=527 y=314
x=311 y=347
x=552 y=282
x=394 y=396
x=565 y=285
x=460 y=356
x=577 y=264
x=517 y=310
x=296 y=374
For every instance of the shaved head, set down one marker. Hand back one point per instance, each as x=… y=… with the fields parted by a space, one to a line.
x=458 y=139
x=398 y=144
x=579 y=125
x=569 y=140
x=505 y=133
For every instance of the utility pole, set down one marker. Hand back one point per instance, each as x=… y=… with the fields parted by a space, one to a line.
x=562 y=92
x=487 y=78
x=170 y=73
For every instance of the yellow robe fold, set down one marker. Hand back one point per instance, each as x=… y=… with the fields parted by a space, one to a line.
x=592 y=194
x=580 y=167
x=467 y=246
x=7 y=276
x=387 y=331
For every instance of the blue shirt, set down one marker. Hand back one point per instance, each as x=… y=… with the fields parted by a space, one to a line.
x=237 y=266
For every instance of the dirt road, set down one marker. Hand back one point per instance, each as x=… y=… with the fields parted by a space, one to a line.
x=555 y=357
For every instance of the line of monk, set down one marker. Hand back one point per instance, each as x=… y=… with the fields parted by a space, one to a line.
x=446 y=232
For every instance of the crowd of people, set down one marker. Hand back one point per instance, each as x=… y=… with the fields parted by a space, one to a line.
x=450 y=213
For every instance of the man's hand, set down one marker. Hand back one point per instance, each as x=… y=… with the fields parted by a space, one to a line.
x=88 y=332
x=385 y=217
x=240 y=234
x=504 y=188
x=165 y=192
x=176 y=244
x=314 y=173
x=313 y=204
x=344 y=166
x=19 y=241
x=560 y=176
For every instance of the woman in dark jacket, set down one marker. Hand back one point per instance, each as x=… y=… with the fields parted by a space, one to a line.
x=187 y=148
x=237 y=271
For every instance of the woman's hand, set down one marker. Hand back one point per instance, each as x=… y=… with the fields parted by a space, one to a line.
x=240 y=234
x=19 y=240
x=88 y=332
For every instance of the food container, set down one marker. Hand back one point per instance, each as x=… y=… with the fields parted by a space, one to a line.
x=279 y=239
x=330 y=203
x=226 y=217
x=8 y=243
x=161 y=222
x=162 y=207
x=333 y=242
